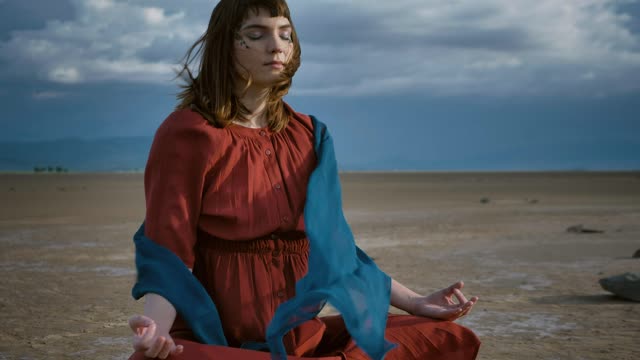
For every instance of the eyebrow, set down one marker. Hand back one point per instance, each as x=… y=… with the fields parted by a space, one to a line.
x=263 y=27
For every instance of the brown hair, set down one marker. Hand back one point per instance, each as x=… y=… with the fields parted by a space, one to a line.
x=211 y=92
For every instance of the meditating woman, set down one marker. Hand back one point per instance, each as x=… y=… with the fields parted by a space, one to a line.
x=244 y=239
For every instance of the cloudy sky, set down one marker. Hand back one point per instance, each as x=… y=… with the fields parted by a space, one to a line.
x=404 y=84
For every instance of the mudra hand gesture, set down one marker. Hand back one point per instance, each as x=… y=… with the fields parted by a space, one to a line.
x=146 y=338
x=441 y=304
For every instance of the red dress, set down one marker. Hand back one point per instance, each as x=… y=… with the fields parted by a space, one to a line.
x=229 y=202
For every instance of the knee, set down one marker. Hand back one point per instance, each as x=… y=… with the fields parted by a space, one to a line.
x=421 y=338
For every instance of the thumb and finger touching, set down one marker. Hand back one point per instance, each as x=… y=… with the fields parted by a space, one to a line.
x=139 y=321
x=143 y=340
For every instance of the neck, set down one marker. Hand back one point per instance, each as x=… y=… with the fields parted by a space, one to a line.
x=254 y=99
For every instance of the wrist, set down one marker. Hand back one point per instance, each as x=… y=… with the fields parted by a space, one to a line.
x=403 y=298
x=410 y=305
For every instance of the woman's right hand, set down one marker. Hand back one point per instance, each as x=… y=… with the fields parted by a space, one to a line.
x=147 y=338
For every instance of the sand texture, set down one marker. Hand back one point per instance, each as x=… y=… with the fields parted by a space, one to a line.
x=66 y=257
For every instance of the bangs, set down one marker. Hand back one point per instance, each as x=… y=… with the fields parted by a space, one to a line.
x=275 y=7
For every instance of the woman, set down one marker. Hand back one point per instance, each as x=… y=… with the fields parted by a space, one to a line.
x=229 y=176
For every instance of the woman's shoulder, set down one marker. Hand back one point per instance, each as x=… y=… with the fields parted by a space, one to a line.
x=187 y=134
x=189 y=124
x=181 y=119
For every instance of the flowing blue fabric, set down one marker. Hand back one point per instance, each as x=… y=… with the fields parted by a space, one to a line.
x=338 y=272
x=161 y=272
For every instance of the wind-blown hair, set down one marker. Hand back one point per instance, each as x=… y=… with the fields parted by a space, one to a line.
x=211 y=91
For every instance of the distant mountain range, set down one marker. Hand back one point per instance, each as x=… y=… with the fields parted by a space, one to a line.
x=100 y=155
x=126 y=154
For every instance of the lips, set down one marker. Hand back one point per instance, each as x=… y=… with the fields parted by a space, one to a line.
x=275 y=63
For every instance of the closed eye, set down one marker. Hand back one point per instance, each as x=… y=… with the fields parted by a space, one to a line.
x=254 y=36
x=286 y=36
x=257 y=36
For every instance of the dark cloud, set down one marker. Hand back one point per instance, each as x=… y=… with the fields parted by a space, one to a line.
x=356 y=47
x=356 y=27
x=631 y=9
x=503 y=39
x=31 y=14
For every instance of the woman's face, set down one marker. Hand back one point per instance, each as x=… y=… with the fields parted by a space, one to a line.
x=262 y=47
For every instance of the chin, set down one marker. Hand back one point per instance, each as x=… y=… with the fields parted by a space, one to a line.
x=268 y=81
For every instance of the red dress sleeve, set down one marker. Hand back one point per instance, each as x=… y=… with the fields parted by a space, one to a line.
x=174 y=179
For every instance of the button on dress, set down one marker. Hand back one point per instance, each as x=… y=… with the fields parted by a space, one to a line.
x=229 y=203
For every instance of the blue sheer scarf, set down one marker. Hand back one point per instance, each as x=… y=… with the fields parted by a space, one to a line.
x=339 y=272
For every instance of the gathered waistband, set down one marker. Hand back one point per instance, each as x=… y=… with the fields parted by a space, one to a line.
x=286 y=242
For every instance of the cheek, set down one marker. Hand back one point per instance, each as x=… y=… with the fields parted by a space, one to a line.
x=244 y=57
x=289 y=50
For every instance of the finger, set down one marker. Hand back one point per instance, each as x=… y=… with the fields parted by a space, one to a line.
x=178 y=350
x=139 y=332
x=468 y=306
x=146 y=341
x=166 y=349
x=457 y=285
x=156 y=348
x=449 y=290
x=466 y=311
x=460 y=296
x=455 y=313
x=139 y=345
x=452 y=314
x=138 y=321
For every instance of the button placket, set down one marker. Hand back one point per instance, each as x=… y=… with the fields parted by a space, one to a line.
x=276 y=252
x=275 y=176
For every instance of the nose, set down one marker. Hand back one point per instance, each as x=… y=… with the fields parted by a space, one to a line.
x=276 y=45
x=277 y=48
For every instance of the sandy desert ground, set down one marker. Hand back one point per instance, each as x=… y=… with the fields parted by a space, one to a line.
x=66 y=257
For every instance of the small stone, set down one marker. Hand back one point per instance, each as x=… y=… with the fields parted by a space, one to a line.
x=579 y=229
x=636 y=255
x=626 y=286
x=485 y=200
x=574 y=229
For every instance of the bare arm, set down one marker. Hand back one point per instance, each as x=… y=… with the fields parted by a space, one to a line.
x=161 y=311
x=402 y=297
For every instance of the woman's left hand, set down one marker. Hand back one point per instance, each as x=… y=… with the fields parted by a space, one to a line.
x=441 y=304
